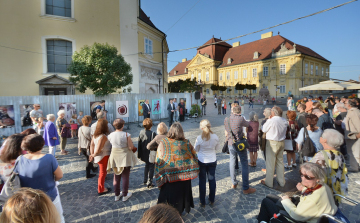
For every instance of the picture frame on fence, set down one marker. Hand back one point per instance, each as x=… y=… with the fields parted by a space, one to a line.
x=25 y=110
x=69 y=108
x=93 y=105
x=7 y=116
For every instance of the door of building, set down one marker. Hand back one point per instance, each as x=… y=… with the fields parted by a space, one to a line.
x=55 y=91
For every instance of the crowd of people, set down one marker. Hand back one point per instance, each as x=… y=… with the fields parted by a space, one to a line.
x=323 y=136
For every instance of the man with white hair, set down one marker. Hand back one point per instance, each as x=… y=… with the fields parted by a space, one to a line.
x=234 y=128
x=101 y=115
x=275 y=128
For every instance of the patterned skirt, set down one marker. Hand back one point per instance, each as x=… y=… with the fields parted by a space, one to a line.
x=254 y=147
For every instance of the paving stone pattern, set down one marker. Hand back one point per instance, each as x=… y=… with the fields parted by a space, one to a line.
x=81 y=202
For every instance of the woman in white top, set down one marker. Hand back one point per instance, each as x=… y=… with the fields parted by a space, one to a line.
x=206 y=145
x=100 y=149
x=84 y=144
x=121 y=159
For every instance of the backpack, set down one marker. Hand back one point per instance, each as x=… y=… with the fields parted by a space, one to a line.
x=327 y=125
x=26 y=120
x=308 y=146
x=11 y=185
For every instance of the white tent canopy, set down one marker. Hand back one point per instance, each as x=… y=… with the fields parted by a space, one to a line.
x=326 y=86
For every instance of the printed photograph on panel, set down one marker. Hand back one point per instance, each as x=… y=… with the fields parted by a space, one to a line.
x=7 y=116
x=70 y=109
x=140 y=103
x=156 y=106
x=93 y=106
x=25 y=114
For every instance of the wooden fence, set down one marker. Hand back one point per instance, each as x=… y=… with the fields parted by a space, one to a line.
x=50 y=105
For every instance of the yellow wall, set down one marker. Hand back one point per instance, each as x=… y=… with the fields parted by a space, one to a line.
x=294 y=69
x=22 y=27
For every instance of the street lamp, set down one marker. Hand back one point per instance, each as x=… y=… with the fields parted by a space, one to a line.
x=159 y=75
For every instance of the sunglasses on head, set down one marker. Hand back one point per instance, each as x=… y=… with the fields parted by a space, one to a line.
x=306 y=176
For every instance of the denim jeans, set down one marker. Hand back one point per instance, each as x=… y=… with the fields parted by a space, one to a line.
x=244 y=166
x=330 y=113
x=207 y=169
x=251 y=105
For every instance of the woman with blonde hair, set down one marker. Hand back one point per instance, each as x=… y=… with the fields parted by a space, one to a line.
x=253 y=137
x=206 y=145
x=29 y=206
x=161 y=132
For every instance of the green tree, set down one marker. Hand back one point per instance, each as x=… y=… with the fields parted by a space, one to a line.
x=101 y=69
x=189 y=85
x=222 y=88
x=239 y=87
x=174 y=87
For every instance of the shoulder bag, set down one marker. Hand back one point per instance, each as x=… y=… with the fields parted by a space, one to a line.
x=289 y=146
x=134 y=149
x=11 y=185
x=241 y=144
x=152 y=155
x=308 y=146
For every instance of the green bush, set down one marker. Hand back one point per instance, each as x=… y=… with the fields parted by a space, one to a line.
x=195 y=108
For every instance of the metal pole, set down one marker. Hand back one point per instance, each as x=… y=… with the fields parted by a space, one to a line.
x=159 y=85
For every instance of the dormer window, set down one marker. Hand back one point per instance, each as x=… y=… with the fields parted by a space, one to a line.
x=256 y=55
x=174 y=72
x=186 y=70
x=229 y=61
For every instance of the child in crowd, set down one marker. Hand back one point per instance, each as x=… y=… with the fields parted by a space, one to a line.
x=41 y=125
x=81 y=114
x=74 y=126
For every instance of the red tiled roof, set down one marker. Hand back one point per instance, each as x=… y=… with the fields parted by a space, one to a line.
x=215 y=51
x=180 y=68
x=245 y=53
x=214 y=40
x=146 y=19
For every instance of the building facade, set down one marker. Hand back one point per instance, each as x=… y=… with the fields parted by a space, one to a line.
x=39 y=38
x=273 y=62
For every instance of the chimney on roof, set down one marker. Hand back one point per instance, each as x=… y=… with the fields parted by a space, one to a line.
x=184 y=60
x=266 y=35
x=236 y=44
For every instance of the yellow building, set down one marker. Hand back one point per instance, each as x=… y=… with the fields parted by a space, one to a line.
x=39 y=37
x=273 y=62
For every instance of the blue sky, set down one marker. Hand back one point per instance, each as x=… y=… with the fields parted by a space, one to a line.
x=333 y=34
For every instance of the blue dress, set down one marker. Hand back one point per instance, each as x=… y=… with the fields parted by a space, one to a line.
x=49 y=133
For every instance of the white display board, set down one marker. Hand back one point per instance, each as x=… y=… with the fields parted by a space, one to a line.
x=122 y=109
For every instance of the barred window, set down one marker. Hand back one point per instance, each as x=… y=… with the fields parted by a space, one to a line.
x=59 y=53
x=58 y=7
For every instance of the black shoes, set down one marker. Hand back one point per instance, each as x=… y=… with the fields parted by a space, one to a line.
x=90 y=176
x=105 y=192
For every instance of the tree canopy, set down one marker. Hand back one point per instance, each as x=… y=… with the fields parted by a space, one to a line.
x=101 y=69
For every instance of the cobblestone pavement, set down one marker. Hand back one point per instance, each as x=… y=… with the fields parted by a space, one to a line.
x=82 y=204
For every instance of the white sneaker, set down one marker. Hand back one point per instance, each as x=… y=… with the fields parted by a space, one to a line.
x=125 y=198
x=286 y=166
x=118 y=197
x=294 y=164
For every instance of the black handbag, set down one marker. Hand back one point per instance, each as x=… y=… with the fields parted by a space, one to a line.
x=241 y=144
x=225 y=148
x=308 y=147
